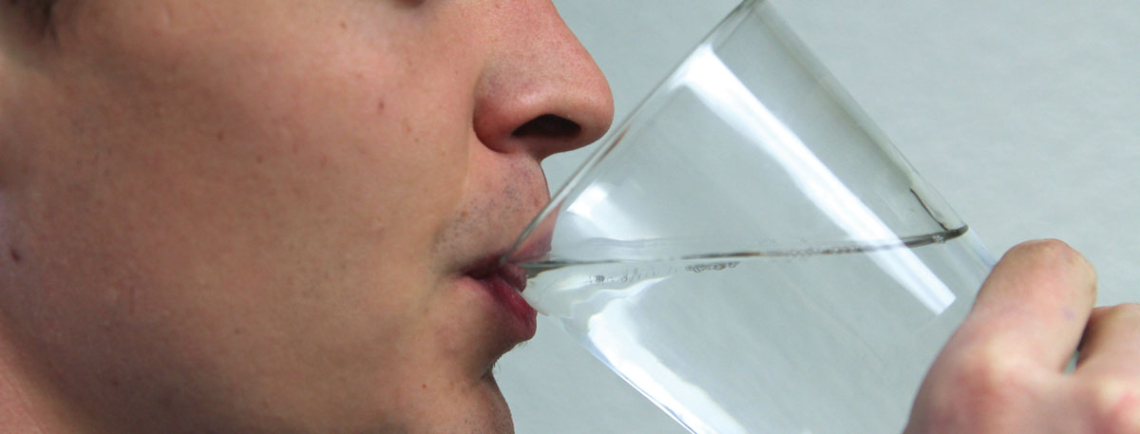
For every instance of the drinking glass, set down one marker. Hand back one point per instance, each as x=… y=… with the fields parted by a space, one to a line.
x=750 y=253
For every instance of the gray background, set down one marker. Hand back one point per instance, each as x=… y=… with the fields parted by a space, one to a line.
x=1022 y=113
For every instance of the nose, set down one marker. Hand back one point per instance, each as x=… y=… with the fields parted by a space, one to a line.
x=540 y=93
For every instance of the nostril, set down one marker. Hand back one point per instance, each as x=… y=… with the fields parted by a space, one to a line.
x=549 y=126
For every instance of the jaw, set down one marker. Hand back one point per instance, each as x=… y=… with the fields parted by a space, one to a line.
x=453 y=401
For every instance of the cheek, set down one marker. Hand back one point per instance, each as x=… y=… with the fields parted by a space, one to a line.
x=305 y=236
x=332 y=113
x=237 y=209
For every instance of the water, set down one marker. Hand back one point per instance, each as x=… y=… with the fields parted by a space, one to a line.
x=828 y=339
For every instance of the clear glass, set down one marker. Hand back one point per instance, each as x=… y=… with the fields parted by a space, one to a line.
x=750 y=253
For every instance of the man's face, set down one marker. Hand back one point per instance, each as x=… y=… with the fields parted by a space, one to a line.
x=269 y=215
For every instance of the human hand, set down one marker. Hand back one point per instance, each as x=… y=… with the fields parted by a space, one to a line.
x=1003 y=371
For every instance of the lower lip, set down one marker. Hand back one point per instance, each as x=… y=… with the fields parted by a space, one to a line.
x=520 y=321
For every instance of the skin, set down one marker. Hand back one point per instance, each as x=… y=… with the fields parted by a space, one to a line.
x=260 y=216
x=1003 y=371
x=257 y=216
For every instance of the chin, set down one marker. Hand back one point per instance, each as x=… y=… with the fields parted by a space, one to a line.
x=494 y=416
x=477 y=408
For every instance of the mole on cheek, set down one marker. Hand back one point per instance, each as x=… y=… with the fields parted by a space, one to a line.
x=15 y=255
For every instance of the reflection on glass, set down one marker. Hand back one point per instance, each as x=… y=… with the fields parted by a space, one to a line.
x=750 y=254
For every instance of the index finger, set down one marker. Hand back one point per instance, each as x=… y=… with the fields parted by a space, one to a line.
x=1033 y=308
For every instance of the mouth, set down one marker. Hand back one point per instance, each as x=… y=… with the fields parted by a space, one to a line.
x=515 y=320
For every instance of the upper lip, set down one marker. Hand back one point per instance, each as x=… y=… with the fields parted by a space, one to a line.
x=534 y=247
x=492 y=266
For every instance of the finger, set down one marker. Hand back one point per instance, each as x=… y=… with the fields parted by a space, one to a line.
x=1112 y=340
x=1033 y=307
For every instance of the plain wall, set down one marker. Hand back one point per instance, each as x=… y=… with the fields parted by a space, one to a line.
x=1024 y=114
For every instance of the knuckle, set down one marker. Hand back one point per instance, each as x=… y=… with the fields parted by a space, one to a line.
x=999 y=380
x=980 y=391
x=989 y=383
x=1115 y=405
x=1056 y=256
x=1127 y=311
x=1046 y=247
x=1060 y=253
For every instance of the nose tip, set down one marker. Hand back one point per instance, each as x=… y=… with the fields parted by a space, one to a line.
x=542 y=94
x=557 y=114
